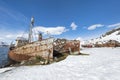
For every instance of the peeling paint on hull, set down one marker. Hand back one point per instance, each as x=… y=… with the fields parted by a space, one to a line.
x=42 y=48
x=67 y=46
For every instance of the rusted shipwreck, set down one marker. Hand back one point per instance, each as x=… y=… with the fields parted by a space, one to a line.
x=67 y=46
x=26 y=49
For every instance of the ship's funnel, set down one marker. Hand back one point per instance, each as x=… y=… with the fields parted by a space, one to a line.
x=39 y=37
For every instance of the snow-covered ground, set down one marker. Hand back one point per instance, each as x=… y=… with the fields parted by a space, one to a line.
x=101 y=64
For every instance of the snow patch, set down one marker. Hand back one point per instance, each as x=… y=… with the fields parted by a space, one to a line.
x=101 y=64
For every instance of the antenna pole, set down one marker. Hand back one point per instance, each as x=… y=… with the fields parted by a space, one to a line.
x=30 y=31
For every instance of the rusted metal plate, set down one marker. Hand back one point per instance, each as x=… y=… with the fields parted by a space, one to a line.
x=67 y=46
x=18 y=57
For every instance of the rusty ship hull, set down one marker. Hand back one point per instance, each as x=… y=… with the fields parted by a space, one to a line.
x=67 y=46
x=42 y=48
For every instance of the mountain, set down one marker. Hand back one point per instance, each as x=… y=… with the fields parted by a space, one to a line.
x=2 y=44
x=110 y=36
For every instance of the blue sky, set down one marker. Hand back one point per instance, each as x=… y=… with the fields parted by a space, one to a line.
x=69 y=19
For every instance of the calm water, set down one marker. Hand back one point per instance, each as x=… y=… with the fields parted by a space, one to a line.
x=3 y=56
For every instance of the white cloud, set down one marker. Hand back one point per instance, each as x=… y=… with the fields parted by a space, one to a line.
x=8 y=37
x=73 y=26
x=13 y=36
x=51 y=30
x=1 y=38
x=114 y=25
x=93 y=27
x=79 y=38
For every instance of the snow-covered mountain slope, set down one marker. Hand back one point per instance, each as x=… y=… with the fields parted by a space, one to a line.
x=3 y=43
x=111 y=35
x=101 y=64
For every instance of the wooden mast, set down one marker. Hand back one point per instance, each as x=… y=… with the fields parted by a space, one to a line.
x=30 y=31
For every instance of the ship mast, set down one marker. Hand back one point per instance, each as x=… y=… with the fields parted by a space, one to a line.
x=30 y=31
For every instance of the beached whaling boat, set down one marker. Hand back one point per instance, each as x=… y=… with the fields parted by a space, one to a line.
x=26 y=49
x=71 y=47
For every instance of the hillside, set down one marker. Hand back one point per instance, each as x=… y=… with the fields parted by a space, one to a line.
x=110 y=35
x=3 y=44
